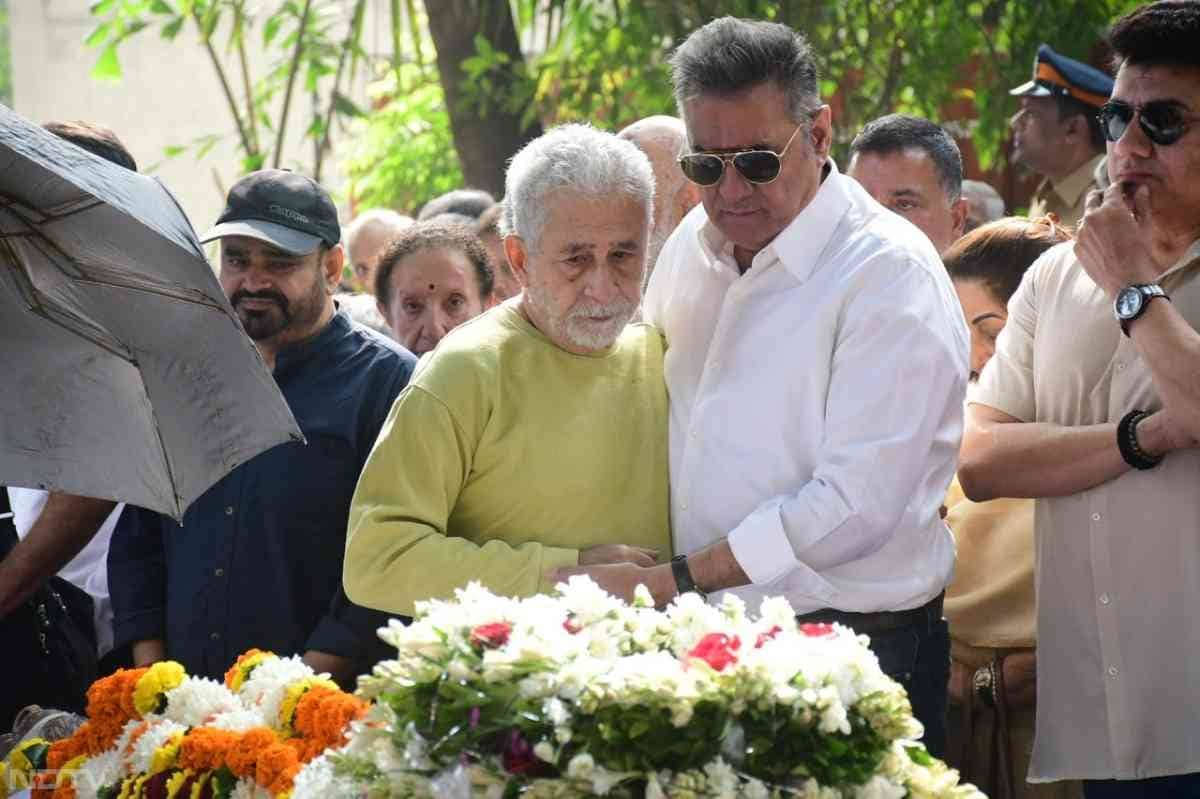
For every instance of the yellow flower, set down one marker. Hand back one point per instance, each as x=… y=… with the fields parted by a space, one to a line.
x=129 y=788
x=176 y=782
x=198 y=785
x=291 y=700
x=166 y=755
x=149 y=693
x=240 y=672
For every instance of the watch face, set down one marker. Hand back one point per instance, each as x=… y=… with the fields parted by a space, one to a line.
x=1128 y=303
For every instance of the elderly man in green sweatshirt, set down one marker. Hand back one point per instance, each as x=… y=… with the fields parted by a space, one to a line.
x=535 y=436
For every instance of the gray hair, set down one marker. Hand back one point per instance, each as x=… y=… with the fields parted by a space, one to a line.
x=576 y=157
x=987 y=198
x=376 y=219
x=730 y=55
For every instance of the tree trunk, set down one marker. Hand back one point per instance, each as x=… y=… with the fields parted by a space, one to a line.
x=484 y=144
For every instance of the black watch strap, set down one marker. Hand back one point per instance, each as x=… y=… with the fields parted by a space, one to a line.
x=1127 y=442
x=1150 y=292
x=683 y=576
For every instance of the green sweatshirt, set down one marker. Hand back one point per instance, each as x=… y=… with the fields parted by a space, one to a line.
x=503 y=458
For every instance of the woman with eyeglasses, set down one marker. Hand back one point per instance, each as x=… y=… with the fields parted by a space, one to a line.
x=990 y=604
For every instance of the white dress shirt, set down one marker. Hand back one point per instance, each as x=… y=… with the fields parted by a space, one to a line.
x=88 y=570
x=816 y=403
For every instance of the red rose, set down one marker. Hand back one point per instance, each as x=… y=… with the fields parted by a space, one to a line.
x=817 y=630
x=767 y=636
x=572 y=626
x=491 y=636
x=518 y=756
x=717 y=650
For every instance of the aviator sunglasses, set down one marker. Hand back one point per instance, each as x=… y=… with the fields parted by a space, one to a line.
x=1163 y=121
x=756 y=166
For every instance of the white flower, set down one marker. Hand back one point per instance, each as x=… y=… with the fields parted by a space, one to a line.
x=150 y=741
x=754 y=789
x=268 y=684
x=581 y=767
x=556 y=711
x=542 y=750
x=196 y=700
x=654 y=789
x=880 y=788
x=96 y=773
x=604 y=780
x=722 y=779
x=239 y=720
x=249 y=789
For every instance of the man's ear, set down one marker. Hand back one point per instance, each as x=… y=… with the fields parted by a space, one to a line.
x=335 y=259
x=959 y=211
x=1076 y=128
x=821 y=134
x=383 y=311
x=514 y=248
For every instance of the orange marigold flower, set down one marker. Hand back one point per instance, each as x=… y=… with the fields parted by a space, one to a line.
x=277 y=766
x=323 y=718
x=207 y=748
x=243 y=758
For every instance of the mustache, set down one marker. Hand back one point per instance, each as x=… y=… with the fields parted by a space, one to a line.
x=273 y=296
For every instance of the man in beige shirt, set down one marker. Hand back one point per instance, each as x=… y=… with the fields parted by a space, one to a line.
x=1055 y=132
x=1100 y=420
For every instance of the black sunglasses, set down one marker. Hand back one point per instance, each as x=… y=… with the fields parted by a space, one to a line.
x=756 y=166
x=1163 y=121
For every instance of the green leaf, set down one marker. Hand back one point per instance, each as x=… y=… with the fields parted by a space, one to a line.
x=101 y=7
x=174 y=150
x=271 y=29
x=345 y=106
x=108 y=66
x=161 y=7
x=172 y=28
x=99 y=35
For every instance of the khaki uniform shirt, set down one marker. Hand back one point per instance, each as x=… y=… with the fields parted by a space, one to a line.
x=1118 y=566
x=1066 y=197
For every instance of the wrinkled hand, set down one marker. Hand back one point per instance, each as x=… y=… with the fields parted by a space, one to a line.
x=618 y=553
x=1112 y=242
x=622 y=579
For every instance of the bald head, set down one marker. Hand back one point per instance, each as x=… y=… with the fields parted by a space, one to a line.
x=366 y=238
x=662 y=139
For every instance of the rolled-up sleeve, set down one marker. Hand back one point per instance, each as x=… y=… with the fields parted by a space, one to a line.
x=892 y=429
x=137 y=577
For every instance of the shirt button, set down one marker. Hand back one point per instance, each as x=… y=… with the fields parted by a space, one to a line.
x=219 y=572
x=215 y=636
x=228 y=510
x=1112 y=671
x=1105 y=599
x=1095 y=517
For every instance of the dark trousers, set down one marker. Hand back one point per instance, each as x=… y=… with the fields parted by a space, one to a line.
x=1178 y=786
x=918 y=657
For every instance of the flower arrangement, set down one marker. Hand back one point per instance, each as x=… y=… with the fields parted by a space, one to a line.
x=157 y=733
x=580 y=694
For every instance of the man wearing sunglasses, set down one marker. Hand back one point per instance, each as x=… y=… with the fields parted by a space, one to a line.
x=1099 y=418
x=816 y=366
x=1056 y=134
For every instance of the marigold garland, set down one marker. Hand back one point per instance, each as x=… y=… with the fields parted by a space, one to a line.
x=206 y=748
x=149 y=693
x=240 y=671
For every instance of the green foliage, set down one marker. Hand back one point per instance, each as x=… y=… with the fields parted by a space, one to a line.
x=402 y=154
x=643 y=739
x=780 y=747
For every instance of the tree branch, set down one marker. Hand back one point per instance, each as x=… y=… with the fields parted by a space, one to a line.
x=291 y=81
x=247 y=144
x=351 y=41
x=251 y=122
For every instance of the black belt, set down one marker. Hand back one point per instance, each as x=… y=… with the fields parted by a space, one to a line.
x=925 y=617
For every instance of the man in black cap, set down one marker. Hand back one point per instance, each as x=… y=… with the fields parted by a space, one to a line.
x=258 y=560
x=1056 y=133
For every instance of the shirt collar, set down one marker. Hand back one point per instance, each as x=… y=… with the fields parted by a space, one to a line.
x=1073 y=186
x=291 y=358
x=1190 y=259
x=799 y=245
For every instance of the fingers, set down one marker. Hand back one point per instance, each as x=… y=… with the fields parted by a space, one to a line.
x=1139 y=202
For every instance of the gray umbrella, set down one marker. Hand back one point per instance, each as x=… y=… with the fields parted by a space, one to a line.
x=124 y=373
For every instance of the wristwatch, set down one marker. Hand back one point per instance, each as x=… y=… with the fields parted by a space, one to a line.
x=683 y=577
x=1132 y=301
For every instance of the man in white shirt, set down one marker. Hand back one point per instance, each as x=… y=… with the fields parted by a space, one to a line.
x=817 y=363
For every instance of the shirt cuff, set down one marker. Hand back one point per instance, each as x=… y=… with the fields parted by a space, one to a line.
x=761 y=546
x=335 y=637
x=555 y=558
x=143 y=625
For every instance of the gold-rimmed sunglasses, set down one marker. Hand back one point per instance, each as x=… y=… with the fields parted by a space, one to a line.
x=756 y=166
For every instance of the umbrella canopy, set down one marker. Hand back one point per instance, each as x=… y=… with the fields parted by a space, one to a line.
x=126 y=374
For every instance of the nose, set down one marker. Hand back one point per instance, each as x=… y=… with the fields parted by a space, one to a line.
x=733 y=188
x=1133 y=141
x=440 y=323
x=255 y=279
x=601 y=285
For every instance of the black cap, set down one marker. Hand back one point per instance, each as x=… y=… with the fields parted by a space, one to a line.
x=1057 y=75
x=285 y=210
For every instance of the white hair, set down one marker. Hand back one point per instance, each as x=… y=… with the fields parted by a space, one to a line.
x=988 y=198
x=576 y=157
x=377 y=219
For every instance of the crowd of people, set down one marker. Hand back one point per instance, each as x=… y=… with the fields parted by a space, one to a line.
x=697 y=356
